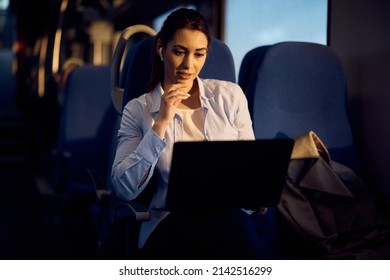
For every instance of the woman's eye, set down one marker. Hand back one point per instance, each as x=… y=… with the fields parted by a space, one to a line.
x=179 y=53
x=199 y=55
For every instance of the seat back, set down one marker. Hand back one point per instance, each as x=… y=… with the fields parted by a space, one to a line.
x=88 y=122
x=246 y=74
x=295 y=87
x=119 y=64
x=219 y=65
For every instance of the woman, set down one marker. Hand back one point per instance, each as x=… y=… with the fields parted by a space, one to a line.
x=183 y=107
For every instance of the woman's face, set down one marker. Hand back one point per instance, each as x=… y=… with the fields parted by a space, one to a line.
x=184 y=57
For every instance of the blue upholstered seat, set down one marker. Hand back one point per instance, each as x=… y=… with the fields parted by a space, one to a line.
x=295 y=87
x=87 y=125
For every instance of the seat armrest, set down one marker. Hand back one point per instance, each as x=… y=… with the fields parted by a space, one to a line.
x=132 y=208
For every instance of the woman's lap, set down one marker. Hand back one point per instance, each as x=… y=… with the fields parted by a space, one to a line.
x=222 y=234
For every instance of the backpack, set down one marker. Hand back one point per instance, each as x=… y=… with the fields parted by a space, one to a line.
x=326 y=210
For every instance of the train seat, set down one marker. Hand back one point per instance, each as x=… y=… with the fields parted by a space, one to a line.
x=86 y=130
x=87 y=119
x=295 y=87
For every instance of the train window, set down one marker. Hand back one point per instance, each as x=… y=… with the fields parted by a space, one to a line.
x=252 y=23
x=4 y=4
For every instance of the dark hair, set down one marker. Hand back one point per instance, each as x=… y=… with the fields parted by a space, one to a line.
x=178 y=19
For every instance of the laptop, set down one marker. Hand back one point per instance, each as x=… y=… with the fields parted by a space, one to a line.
x=228 y=174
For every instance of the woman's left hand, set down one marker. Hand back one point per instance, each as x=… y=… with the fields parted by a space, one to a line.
x=260 y=211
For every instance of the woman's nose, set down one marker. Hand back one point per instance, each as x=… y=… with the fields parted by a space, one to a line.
x=188 y=61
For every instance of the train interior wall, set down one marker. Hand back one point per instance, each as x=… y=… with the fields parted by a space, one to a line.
x=359 y=35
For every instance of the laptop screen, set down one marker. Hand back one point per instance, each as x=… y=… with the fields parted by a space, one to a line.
x=241 y=174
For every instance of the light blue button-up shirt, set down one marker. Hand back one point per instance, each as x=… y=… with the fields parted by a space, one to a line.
x=140 y=148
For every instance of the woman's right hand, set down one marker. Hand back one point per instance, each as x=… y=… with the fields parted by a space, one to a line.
x=171 y=98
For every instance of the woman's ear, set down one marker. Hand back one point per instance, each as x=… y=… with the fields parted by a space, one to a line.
x=160 y=53
x=160 y=49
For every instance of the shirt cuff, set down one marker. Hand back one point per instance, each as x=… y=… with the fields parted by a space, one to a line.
x=151 y=146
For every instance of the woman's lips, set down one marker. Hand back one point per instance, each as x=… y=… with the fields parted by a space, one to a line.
x=184 y=76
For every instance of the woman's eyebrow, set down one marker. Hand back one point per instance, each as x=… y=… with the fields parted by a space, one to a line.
x=184 y=48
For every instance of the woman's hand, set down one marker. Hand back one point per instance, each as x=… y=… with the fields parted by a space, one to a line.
x=169 y=102
x=260 y=211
